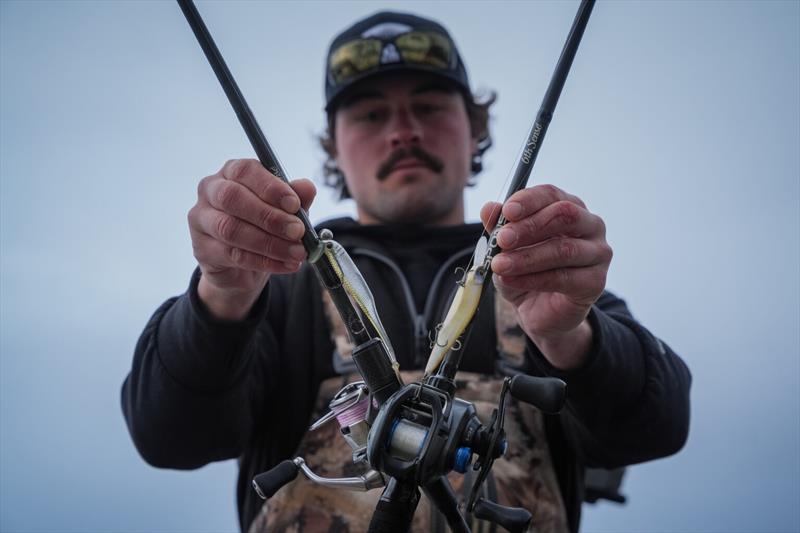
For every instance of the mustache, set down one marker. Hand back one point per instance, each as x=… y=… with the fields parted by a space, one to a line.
x=429 y=160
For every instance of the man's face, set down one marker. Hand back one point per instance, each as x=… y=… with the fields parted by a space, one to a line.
x=404 y=145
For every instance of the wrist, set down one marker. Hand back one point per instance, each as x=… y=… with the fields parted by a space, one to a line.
x=227 y=304
x=569 y=350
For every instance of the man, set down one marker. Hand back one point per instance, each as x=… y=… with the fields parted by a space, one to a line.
x=241 y=363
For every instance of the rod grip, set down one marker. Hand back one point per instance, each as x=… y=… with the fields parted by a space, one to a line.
x=268 y=483
x=374 y=365
x=395 y=509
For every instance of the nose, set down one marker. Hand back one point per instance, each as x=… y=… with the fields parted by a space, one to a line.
x=404 y=129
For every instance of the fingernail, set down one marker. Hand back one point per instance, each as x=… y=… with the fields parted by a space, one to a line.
x=513 y=210
x=507 y=237
x=297 y=251
x=295 y=230
x=501 y=263
x=290 y=204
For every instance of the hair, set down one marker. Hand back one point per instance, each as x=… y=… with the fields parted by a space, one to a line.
x=477 y=112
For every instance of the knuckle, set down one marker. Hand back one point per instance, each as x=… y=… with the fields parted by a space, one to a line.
x=273 y=189
x=205 y=187
x=235 y=255
x=198 y=250
x=262 y=188
x=269 y=247
x=237 y=170
x=227 y=196
x=192 y=216
x=264 y=263
x=230 y=168
x=606 y=252
x=266 y=218
x=202 y=186
x=563 y=276
x=270 y=220
x=568 y=211
x=552 y=192
x=529 y=226
x=566 y=249
x=227 y=228
x=601 y=224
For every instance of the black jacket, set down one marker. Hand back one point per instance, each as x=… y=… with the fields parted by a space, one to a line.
x=202 y=390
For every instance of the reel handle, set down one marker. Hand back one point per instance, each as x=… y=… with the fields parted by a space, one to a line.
x=546 y=394
x=269 y=482
x=514 y=519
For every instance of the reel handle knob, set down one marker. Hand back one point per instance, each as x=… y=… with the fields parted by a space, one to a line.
x=268 y=483
x=514 y=519
x=546 y=394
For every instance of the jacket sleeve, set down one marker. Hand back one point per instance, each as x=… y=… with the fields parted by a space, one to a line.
x=630 y=402
x=190 y=397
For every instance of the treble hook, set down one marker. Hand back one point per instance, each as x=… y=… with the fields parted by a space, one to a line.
x=433 y=336
x=462 y=276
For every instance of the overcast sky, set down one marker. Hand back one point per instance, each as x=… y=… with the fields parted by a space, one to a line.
x=679 y=125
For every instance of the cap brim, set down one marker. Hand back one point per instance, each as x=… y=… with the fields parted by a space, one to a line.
x=336 y=96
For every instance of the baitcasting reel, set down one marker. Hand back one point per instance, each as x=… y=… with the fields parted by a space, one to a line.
x=418 y=436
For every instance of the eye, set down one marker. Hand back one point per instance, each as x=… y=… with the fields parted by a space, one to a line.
x=371 y=116
x=427 y=108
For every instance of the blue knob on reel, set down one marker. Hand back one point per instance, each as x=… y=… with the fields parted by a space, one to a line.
x=462 y=460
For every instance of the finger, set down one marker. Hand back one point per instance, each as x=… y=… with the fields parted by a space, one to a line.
x=528 y=201
x=559 y=252
x=265 y=185
x=234 y=199
x=557 y=219
x=239 y=233
x=490 y=212
x=305 y=190
x=582 y=285
x=218 y=255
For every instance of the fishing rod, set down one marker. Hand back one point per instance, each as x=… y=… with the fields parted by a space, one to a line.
x=434 y=394
x=408 y=436
x=373 y=355
x=477 y=277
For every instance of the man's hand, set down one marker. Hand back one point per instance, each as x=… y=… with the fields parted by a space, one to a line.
x=243 y=229
x=553 y=267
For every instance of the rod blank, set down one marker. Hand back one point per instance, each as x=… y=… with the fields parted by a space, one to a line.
x=246 y=118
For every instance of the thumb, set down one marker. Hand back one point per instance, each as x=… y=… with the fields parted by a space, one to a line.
x=306 y=191
x=490 y=212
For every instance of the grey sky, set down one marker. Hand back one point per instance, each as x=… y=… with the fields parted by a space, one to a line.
x=679 y=125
